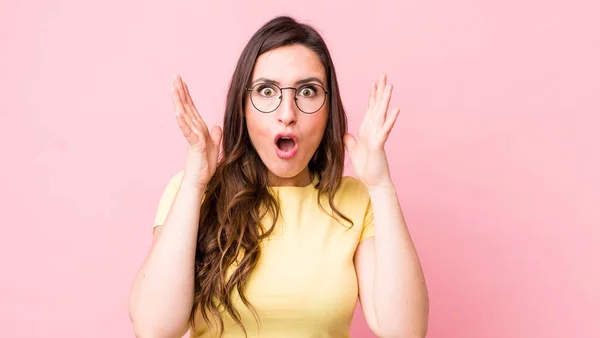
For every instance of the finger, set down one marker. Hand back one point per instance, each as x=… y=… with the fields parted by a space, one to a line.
x=178 y=87
x=188 y=133
x=372 y=91
x=177 y=102
x=178 y=84
x=195 y=118
x=195 y=114
x=184 y=108
x=189 y=128
x=192 y=124
x=188 y=97
x=216 y=135
x=390 y=121
x=185 y=128
x=181 y=90
x=384 y=103
x=190 y=102
x=380 y=87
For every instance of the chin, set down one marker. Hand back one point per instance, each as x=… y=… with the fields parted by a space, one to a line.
x=286 y=169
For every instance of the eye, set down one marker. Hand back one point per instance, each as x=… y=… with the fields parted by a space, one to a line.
x=266 y=90
x=308 y=91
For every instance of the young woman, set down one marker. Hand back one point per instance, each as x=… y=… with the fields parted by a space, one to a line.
x=268 y=238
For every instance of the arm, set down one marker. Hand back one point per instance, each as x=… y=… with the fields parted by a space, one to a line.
x=163 y=290
x=393 y=292
x=162 y=293
x=392 y=288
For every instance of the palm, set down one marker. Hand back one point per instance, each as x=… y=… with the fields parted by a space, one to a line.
x=367 y=149
x=204 y=146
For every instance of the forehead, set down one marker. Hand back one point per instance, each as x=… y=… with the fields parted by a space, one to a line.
x=289 y=64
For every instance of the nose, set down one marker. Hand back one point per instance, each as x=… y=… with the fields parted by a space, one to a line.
x=287 y=110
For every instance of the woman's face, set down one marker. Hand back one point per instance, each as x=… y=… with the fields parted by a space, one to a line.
x=287 y=138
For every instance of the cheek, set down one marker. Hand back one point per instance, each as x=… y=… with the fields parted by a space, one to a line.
x=258 y=129
x=318 y=129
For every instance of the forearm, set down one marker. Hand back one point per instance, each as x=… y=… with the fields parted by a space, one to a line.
x=400 y=293
x=163 y=290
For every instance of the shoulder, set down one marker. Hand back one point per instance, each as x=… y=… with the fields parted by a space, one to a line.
x=167 y=197
x=353 y=187
x=175 y=179
x=352 y=190
x=170 y=189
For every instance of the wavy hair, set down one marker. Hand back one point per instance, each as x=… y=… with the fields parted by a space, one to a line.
x=237 y=196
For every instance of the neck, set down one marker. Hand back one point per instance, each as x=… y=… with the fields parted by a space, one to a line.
x=303 y=179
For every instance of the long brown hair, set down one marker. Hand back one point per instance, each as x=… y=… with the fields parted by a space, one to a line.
x=237 y=196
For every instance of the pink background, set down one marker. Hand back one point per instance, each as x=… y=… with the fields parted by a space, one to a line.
x=494 y=155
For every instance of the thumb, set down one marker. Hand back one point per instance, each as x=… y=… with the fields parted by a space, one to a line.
x=216 y=135
x=349 y=142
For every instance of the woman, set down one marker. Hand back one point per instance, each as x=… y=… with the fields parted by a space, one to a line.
x=270 y=240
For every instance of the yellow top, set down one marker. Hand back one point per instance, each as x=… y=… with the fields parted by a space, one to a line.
x=304 y=284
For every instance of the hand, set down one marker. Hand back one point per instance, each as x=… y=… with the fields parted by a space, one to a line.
x=367 y=151
x=204 y=146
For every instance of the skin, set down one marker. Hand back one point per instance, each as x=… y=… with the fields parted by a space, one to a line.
x=392 y=288
x=287 y=66
x=393 y=293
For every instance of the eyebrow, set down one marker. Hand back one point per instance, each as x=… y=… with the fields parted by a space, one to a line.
x=299 y=82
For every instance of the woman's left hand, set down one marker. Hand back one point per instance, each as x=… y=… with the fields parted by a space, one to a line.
x=367 y=150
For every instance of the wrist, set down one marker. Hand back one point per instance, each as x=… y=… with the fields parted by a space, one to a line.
x=382 y=186
x=192 y=181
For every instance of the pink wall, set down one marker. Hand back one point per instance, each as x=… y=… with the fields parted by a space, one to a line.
x=494 y=154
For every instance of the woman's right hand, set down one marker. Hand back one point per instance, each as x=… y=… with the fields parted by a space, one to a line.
x=204 y=146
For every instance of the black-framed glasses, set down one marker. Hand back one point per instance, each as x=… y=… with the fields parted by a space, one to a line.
x=266 y=97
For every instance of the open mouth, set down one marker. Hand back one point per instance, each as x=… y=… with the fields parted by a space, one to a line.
x=286 y=146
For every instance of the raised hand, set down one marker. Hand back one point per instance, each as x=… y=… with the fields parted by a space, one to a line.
x=204 y=146
x=367 y=150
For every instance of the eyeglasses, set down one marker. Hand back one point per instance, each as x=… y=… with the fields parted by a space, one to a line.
x=266 y=97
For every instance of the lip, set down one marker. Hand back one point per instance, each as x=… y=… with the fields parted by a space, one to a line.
x=286 y=154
